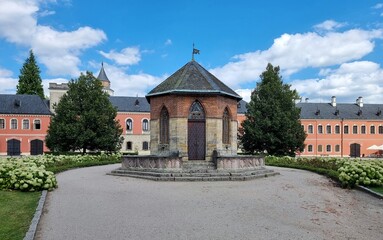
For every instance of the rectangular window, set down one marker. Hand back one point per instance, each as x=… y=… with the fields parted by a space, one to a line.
x=129 y=146
x=328 y=129
x=372 y=129
x=310 y=129
x=145 y=146
x=328 y=148
x=337 y=129
x=354 y=129
x=380 y=130
x=345 y=130
x=363 y=129
x=2 y=123
x=320 y=129
x=37 y=124
x=25 y=124
x=319 y=148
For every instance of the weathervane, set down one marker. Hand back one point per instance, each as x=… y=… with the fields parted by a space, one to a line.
x=195 y=51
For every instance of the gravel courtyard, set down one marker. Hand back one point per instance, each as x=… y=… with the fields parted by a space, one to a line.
x=294 y=205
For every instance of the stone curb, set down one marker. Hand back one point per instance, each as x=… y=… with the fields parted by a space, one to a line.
x=366 y=190
x=30 y=235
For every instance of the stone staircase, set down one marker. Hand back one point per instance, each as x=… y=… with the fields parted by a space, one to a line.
x=195 y=171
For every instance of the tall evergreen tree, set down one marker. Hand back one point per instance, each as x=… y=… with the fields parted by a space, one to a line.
x=272 y=122
x=84 y=119
x=29 y=78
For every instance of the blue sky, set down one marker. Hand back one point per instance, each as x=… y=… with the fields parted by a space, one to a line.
x=324 y=48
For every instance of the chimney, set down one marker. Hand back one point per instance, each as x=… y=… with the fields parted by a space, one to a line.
x=359 y=101
x=333 y=101
x=307 y=100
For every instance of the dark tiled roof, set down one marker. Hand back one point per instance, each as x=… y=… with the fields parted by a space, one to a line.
x=102 y=75
x=242 y=107
x=344 y=110
x=130 y=104
x=23 y=104
x=192 y=78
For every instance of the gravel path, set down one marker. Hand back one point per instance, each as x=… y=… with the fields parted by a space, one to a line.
x=294 y=205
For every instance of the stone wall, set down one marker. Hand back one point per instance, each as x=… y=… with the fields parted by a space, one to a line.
x=240 y=163
x=153 y=163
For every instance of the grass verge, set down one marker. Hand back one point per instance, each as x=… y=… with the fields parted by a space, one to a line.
x=16 y=211
x=377 y=189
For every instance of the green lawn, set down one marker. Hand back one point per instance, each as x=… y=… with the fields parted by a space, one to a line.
x=16 y=211
x=377 y=189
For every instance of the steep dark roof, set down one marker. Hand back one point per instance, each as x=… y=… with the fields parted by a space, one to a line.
x=130 y=104
x=192 y=78
x=242 y=107
x=23 y=104
x=344 y=110
x=102 y=75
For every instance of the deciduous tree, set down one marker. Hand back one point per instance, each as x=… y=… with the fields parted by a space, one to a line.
x=84 y=119
x=272 y=123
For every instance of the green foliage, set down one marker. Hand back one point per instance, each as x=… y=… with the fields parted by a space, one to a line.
x=272 y=122
x=25 y=175
x=36 y=173
x=349 y=172
x=16 y=211
x=361 y=172
x=29 y=78
x=85 y=119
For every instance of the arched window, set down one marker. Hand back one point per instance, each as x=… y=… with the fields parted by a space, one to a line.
x=310 y=129
x=337 y=148
x=25 y=124
x=226 y=127
x=328 y=148
x=328 y=129
x=13 y=123
x=345 y=129
x=129 y=124
x=337 y=129
x=319 y=148
x=363 y=129
x=145 y=125
x=164 y=126
x=372 y=129
x=145 y=145
x=310 y=148
x=320 y=129
x=37 y=124
x=380 y=129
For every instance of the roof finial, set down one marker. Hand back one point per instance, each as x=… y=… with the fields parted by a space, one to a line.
x=195 y=51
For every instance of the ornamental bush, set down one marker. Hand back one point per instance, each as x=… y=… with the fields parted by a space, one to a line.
x=31 y=174
x=349 y=172
x=25 y=175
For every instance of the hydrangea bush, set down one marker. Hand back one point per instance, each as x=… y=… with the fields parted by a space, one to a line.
x=350 y=171
x=30 y=173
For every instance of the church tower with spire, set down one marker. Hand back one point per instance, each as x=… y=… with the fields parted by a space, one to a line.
x=105 y=81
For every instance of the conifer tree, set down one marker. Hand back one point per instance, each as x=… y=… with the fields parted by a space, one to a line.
x=85 y=119
x=29 y=78
x=272 y=122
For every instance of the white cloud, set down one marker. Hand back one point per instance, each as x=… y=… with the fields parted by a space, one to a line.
x=294 y=52
x=58 y=51
x=7 y=82
x=328 y=25
x=127 y=56
x=245 y=94
x=350 y=80
x=168 y=42
x=125 y=84
x=378 y=6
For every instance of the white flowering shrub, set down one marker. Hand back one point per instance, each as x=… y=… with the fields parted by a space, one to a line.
x=30 y=173
x=25 y=175
x=361 y=172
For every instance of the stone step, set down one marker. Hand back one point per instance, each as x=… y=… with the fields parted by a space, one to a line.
x=191 y=176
